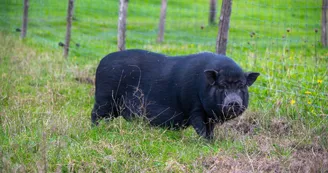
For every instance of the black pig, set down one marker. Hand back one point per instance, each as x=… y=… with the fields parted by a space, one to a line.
x=198 y=90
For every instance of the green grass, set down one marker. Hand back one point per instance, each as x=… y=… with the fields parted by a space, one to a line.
x=45 y=113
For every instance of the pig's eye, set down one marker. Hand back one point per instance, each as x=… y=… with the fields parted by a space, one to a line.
x=222 y=85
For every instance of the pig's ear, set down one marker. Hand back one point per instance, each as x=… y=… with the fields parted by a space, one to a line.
x=211 y=76
x=251 y=77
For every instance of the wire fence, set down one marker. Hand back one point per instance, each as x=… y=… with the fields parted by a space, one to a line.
x=280 y=39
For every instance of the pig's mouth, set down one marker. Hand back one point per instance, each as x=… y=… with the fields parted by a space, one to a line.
x=232 y=109
x=232 y=106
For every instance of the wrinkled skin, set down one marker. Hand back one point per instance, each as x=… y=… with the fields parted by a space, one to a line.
x=197 y=90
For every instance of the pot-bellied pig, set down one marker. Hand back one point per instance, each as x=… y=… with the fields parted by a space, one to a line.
x=197 y=90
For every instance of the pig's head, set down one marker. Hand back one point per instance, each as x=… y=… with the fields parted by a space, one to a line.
x=226 y=94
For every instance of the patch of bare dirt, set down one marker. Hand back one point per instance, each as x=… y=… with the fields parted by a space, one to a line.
x=243 y=125
x=303 y=158
x=280 y=126
x=272 y=145
x=248 y=123
x=299 y=161
x=242 y=164
x=264 y=144
x=308 y=160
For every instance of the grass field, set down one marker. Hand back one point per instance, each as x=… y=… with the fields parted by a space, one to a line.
x=45 y=112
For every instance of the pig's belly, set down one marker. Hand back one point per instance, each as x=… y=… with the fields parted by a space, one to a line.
x=166 y=116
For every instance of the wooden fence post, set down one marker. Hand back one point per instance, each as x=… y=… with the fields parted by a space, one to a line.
x=212 y=14
x=222 y=39
x=25 y=19
x=68 y=27
x=324 y=23
x=122 y=25
x=161 y=25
